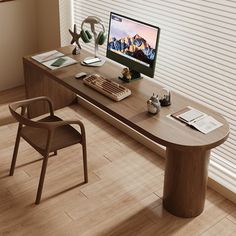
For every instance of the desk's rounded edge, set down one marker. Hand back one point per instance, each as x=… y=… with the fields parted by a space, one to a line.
x=194 y=147
x=180 y=141
x=221 y=134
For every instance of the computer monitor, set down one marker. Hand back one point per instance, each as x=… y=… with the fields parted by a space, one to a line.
x=133 y=44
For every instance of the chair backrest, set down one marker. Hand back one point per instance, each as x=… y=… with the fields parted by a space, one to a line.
x=24 y=104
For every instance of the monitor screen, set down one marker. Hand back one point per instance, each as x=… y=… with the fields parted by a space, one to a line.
x=133 y=43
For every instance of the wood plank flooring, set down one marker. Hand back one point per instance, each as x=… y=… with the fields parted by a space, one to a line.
x=123 y=196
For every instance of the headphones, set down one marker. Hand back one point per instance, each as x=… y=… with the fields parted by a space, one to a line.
x=85 y=34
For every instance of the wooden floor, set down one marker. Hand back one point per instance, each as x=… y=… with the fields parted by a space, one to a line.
x=123 y=196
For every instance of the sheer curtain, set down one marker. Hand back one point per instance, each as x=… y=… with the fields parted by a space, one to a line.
x=196 y=57
x=66 y=20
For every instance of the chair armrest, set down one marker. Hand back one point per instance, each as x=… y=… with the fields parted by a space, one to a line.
x=56 y=124
x=27 y=102
x=42 y=98
x=50 y=126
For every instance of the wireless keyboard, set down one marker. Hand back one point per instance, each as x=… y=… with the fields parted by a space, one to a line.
x=107 y=87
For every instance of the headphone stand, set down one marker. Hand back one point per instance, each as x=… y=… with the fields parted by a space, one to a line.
x=92 y=21
x=95 y=64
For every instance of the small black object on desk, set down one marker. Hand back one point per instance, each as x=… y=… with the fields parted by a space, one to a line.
x=75 y=39
x=165 y=97
x=129 y=75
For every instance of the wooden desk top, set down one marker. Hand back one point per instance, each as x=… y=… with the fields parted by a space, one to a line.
x=133 y=109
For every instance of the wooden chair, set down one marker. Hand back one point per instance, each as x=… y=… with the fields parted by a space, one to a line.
x=46 y=135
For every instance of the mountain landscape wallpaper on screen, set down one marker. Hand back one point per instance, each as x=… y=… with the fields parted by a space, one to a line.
x=135 y=46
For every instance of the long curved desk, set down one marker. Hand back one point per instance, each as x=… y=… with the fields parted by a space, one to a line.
x=187 y=150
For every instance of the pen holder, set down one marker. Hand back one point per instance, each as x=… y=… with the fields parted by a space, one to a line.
x=165 y=97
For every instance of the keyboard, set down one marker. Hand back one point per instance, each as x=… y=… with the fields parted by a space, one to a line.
x=107 y=87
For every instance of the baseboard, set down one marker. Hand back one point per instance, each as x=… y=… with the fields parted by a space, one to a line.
x=222 y=190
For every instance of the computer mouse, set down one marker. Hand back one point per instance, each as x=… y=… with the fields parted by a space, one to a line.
x=80 y=75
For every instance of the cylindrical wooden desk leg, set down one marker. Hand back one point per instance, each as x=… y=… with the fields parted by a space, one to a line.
x=185 y=182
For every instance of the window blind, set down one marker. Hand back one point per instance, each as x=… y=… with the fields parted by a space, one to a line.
x=196 y=57
x=66 y=18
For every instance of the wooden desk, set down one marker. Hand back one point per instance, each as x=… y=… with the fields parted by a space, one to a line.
x=187 y=149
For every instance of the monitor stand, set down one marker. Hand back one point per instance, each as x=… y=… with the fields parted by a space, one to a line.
x=130 y=75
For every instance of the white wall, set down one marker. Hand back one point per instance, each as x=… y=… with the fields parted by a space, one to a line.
x=48 y=24
x=26 y=27
x=18 y=37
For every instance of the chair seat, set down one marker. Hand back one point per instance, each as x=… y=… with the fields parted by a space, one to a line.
x=64 y=136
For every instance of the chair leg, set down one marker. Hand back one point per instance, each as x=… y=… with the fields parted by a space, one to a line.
x=85 y=163
x=41 y=180
x=13 y=162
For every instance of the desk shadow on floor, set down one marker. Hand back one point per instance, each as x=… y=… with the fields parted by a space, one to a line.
x=151 y=221
x=114 y=135
x=154 y=220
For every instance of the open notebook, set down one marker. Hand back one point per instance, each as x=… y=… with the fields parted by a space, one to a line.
x=197 y=119
x=48 y=59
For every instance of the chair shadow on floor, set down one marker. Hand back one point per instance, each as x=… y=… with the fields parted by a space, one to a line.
x=7 y=120
x=33 y=161
x=62 y=192
x=153 y=219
